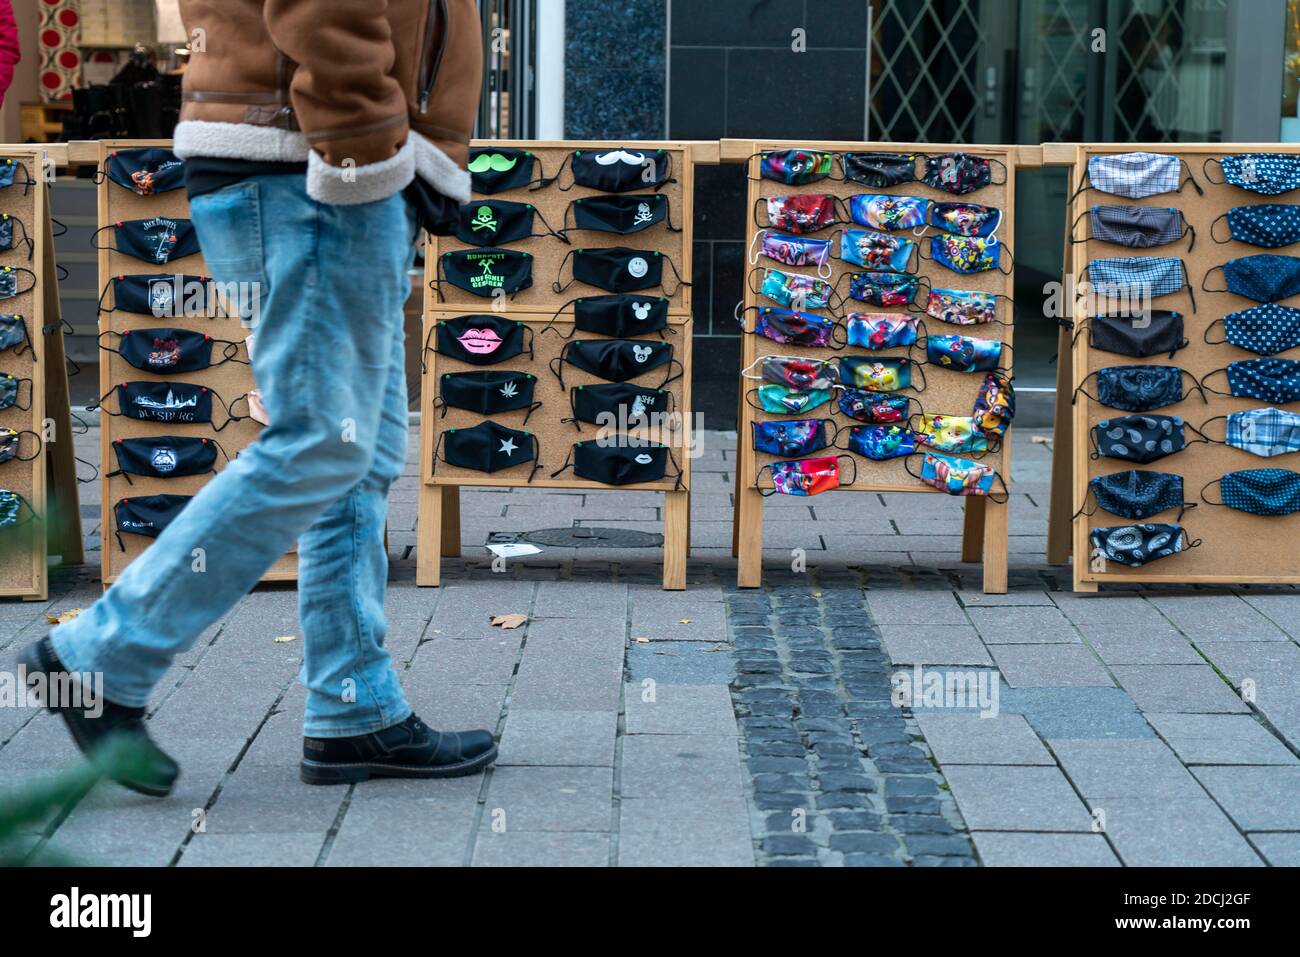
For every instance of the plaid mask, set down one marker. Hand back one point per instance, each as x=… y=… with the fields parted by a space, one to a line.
x=1264 y=432
x=1138 y=227
x=1137 y=277
x=1135 y=175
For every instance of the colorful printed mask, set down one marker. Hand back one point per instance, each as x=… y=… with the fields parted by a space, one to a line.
x=995 y=405
x=963 y=353
x=883 y=288
x=949 y=433
x=958 y=476
x=879 y=170
x=807 y=476
x=792 y=437
x=794 y=167
x=800 y=213
x=882 y=211
x=793 y=290
x=783 y=400
x=883 y=374
x=794 y=371
x=873 y=250
x=959 y=173
x=873 y=407
x=962 y=307
x=967 y=254
x=881 y=442
x=881 y=330
x=789 y=327
x=965 y=219
x=144 y=171
x=793 y=250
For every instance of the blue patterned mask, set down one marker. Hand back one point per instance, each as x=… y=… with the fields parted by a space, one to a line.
x=873 y=250
x=1136 y=494
x=1136 y=545
x=1138 y=438
x=1138 y=277
x=1264 y=330
x=1264 y=277
x=1259 y=491
x=1140 y=388
x=964 y=353
x=881 y=442
x=792 y=438
x=1270 y=225
x=1264 y=173
x=1264 y=432
x=967 y=254
x=1269 y=380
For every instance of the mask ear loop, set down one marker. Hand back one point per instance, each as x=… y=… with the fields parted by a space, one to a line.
x=95 y=245
x=568 y=463
x=677 y=484
x=1006 y=492
x=673 y=378
x=1092 y=441
x=556 y=178
x=31 y=246
x=1206 y=486
x=556 y=286
x=739 y=314
x=561 y=235
x=1191 y=542
x=854 y=463
x=1203 y=437
x=907 y=468
x=680 y=281
x=918 y=366
x=992 y=182
x=833 y=441
x=1083 y=509
x=558 y=370
x=118 y=471
x=758 y=202
x=532 y=407
x=1190 y=230
x=1075 y=225
x=1213 y=223
x=1085 y=184
x=1011 y=265
x=229 y=351
x=31 y=389
x=1211 y=388
x=22 y=292
x=433 y=465
x=1201 y=430
x=37 y=437
x=93 y=468
x=573 y=409
x=1196 y=386
x=224 y=407
x=436 y=283
x=833 y=342
x=1206 y=277
x=537 y=456
x=531 y=337
x=99 y=403
x=1187 y=281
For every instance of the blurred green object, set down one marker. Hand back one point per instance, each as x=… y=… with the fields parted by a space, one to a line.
x=33 y=804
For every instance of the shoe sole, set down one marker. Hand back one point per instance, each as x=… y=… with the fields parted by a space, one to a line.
x=32 y=662
x=320 y=772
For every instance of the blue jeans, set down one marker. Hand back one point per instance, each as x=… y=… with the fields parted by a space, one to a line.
x=329 y=348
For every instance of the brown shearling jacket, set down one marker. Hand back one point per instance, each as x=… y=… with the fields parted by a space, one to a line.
x=369 y=92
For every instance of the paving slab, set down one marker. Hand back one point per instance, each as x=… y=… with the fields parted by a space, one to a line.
x=934 y=645
x=679 y=709
x=1050 y=666
x=1181 y=688
x=549 y=799
x=657 y=832
x=1101 y=769
x=1173 y=832
x=1220 y=739
x=1023 y=625
x=1280 y=850
x=542 y=849
x=559 y=738
x=1011 y=849
x=971 y=739
x=1017 y=799
x=1256 y=798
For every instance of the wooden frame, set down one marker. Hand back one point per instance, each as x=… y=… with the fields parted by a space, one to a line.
x=985 y=525
x=229 y=380
x=1239 y=547
x=439 y=504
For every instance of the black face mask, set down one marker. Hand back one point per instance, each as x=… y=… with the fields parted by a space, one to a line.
x=168 y=351
x=482 y=339
x=147 y=515
x=1137 y=388
x=164 y=402
x=9 y=285
x=1161 y=331
x=618 y=214
x=144 y=171
x=489 y=447
x=618 y=404
x=619 y=464
x=618 y=269
x=7 y=224
x=879 y=170
x=495 y=169
x=484 y=271
x=496 y=222
x=617 y=316
x=164 y=456
x=162 y=295
x=1138 y=494
x=488 y=392
x=156 y=240
x=1139 y=438
x=615 y=360
x=619 y=170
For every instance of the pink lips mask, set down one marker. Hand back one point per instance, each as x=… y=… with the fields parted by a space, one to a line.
x=482 y=339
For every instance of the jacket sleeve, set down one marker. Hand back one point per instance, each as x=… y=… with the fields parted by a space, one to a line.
x=350 y=108
x=9 y=51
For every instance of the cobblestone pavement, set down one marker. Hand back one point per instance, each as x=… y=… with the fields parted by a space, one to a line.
x=720 y=726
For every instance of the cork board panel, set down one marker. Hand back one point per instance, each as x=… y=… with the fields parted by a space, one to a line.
x=556 y=438
x=23 y=548
x=548 y=252
x=946 y=391
x=1237 y=547
x=229 y=380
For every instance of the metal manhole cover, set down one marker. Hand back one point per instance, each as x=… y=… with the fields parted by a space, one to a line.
x=588 y=537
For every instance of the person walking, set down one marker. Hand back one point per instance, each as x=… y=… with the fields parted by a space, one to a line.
x=316 y=136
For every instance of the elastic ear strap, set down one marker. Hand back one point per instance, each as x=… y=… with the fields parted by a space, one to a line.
x=529 y=330
x=854 y=463
x=225 y=407
x=31 y=246
x=906 y=467
x=668 y=212
x=1206 y=334
x=1092 y=440
x=1206 y=486
x=1210 y=387
x=1190 y=229
x=439 y=278
x=760 y=201
x=677 y=485
x=676 y=274
x=556 y=285
x=1205 y=288
x=538 y=213
x=556 y=178
x=1083 y=509
x=568 y=460
x=433 y=466
x=96 y=245
x=39 y=444
x=1006 y=492
x=31 y=393
x=1075 y=225
x=1079 y=388
x=1005 y=171
x=673 y=378
x=836 y=435
x=537 y=456
x=1196 y=385
x=1214 y=222
x=924 y=381
x=551 y=364
x=424 y=365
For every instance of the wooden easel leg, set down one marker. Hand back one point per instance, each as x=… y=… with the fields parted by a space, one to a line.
x=995 y=522
x=736 y=489
x=1060 y=507
x=972 y=532
x=450 y=521
x=677 y=520
x=688 y=523
x=749 y=522
x=63 y=528
x=428 y=549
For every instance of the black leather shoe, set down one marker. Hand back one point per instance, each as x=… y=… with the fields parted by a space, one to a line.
x=149 y=771
x=410 y=749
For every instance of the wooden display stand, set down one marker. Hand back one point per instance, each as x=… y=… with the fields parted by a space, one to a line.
x=229 y=380
x=439 y=506
x=985 y=525
x=1238 y=547
x=48 y=481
